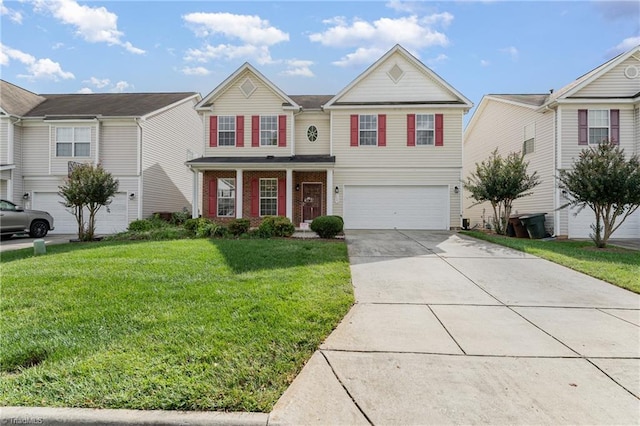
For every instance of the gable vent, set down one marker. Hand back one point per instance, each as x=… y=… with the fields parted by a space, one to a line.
x=247 y=87
x=395 y=73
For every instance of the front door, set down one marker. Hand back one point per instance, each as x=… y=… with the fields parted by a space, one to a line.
x=311 y=201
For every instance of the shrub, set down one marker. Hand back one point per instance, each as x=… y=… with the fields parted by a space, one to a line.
x=327 y=226
x=141 y=225
x=238 y=227
x=179 y=218
x=276 y=226
x=192 y=224
x=206 y=228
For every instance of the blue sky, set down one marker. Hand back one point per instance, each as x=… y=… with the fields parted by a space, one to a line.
x=67 y=46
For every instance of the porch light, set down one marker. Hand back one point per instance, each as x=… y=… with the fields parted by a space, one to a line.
x=337 y=190
x=297 y=187
x=456 y=189
x=25 y=196
x=132 y=195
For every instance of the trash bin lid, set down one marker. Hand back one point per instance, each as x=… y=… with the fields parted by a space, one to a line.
x=532 y=215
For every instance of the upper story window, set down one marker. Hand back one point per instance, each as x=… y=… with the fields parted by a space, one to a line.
x=312 y=133
x=425 y=129
x=268 y=197
x=226 y=197
x=368 y=130
x=73 y=141
x=226 y=130
x=269 y=130
x=529 y=138
x=598 y=125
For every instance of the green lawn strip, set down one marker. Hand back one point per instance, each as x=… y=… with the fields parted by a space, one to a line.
x=186 y=324
x=617 y=266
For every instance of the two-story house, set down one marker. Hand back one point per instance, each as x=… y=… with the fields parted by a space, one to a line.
x=551 y=130
x=384 y=153
x=142 y=139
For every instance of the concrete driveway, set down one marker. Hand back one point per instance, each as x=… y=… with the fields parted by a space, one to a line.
x=447 y=329
x=25 y=241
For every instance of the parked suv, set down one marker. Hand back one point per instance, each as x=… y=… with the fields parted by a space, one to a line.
x=16 y=220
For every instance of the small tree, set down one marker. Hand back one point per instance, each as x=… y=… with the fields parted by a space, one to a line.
x=501 y=181
x=603 y=180
x=89 y=187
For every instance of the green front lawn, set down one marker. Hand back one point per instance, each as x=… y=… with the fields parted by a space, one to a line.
x=615 y=265
x=186 y=324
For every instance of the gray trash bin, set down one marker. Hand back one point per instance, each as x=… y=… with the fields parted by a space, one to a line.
x=534 y=224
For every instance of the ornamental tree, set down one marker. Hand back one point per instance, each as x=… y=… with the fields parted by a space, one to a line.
x=603 y=180
x=86 y=190
x=501 y=181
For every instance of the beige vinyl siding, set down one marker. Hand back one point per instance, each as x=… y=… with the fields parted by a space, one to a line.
x=263 y=101
x=396 y=154
x=16 y=173
x=321 y=146
x=166 y=140
x=3 y=188
x=119 y=148
x=637 y=126
x=401 y=176
x=508 y=137
x=35 y=142
x=614 y=83
x=413 y=86
x=4 y=140
x=60 y=165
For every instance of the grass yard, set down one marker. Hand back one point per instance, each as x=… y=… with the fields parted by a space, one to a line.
x=615 y=265
x=182 y=325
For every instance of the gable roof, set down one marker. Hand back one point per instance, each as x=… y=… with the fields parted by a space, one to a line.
x=15 y=100
x=414 y=61
x=106 y=104
x=207 y=101
x=311 y=101
x=529 y=101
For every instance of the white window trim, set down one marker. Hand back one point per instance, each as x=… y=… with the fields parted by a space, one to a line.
x=360 y=129
x=433 y=130
x=260 y=197
x=233 y=198
x=589 y=126
x=73 y=142
x=227 y=131
x=277 y=131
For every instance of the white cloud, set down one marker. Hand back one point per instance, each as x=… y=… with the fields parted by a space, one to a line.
x=626 y=44
x=412 y=32
x=13 y=15
x=195 y=71
x=93 y=24
x=403 y=6
x=121 y=86
x=98 y=82
x=249 y=36
x=484 y=63
x=43 y=68
x=57 y=46
x=438 y=59
x=298 y=67
x=511 y=51
x=85 y=91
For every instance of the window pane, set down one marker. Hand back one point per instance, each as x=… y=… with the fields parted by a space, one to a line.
x=226 y=122
x=226 y=188
x=368 y=122
x=63 y=149
x=424 y=137
x=598 y=135
x=82 y=149
x=269 y=130
x=424 y=121
x=226 y=138
x=268 y=197
x=227 y=197
x=598 y=118
x=369 y=130
x=64 y=134
x=226 y=207
x=82 y=134
x=268 y=207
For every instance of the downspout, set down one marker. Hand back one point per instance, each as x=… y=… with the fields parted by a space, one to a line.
x=97 y=140
x=556 y=169
x=139 y=166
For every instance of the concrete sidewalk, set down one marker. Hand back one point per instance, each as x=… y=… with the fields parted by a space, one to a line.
x=448 y=330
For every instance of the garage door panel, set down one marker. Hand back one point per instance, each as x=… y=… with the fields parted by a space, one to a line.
x=396 y=207
x=580 y=225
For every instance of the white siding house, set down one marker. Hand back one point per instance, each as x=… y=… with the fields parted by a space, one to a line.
x=602 y=104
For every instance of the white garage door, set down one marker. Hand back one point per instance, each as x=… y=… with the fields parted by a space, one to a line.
x=396 y=207
x=580 y=226
x=108 y=221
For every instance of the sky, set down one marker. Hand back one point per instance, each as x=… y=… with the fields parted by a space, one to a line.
x=306 y=47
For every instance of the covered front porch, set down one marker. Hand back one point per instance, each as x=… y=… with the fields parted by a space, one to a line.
x=298 y=187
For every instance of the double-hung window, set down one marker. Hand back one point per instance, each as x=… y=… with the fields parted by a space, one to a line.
x=226 y=197
x=425 y=129
x=368 y=130
x=598 y=125
x=269 y=130
x=226 y=130
x=73 y=141
x=529 y=139
x=268 y=197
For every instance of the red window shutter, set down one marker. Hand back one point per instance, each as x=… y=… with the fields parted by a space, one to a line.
x=213 y=130
x=240 y=131
x=614 y=118
x=213 y=197
x=382 y=130
x=255 y=130
x=282 y=130
x=282 y=197
x=255 y=197
x=411 y=130
x=583 y=127
x=354 y=130
x=439 y=130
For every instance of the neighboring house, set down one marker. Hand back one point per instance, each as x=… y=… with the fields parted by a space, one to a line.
x=551 y=129
x=384 y=153
x=142 y=139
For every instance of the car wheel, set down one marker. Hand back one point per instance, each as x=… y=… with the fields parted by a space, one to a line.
x=39 y=229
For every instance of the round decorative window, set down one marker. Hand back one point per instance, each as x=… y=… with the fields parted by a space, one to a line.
x=312 y=133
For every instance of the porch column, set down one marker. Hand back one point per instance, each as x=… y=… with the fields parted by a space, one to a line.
x=239 y=193
x=289 y=195
x=330 y=192
x=195 y=195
